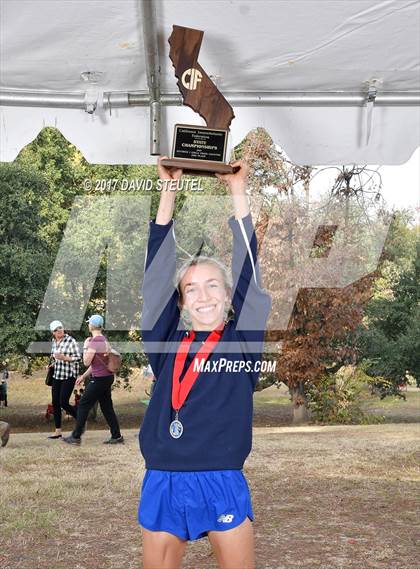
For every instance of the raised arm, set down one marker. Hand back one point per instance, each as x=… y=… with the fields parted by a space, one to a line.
x=167 y=197
x=160 y=314
x=250 y=302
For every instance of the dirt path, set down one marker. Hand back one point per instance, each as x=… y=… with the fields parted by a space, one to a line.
x=323 y=497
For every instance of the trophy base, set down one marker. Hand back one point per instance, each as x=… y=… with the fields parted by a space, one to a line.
x=199 y=167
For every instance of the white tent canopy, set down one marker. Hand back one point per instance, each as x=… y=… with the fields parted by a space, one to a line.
x=301 y=69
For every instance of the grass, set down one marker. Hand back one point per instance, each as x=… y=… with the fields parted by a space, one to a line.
x=395 y=409
x=324 y=498
x=29 y=396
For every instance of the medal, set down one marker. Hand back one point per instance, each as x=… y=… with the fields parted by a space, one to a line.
x=180 y=390
x=176 y=428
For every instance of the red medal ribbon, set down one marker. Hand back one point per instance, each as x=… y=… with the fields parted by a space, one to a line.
x=180 y=390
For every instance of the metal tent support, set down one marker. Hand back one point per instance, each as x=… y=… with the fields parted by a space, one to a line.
x=370 y=101
x=117 y=99
x=154 y=99
x=148 y=12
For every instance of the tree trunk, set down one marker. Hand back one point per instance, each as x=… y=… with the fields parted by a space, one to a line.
x=300 y=404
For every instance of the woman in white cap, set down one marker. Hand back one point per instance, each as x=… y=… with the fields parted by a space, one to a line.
x=65 y=357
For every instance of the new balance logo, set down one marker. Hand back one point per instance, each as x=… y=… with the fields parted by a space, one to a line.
x=226 y=519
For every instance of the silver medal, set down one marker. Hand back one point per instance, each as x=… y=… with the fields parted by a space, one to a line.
x=176 y=428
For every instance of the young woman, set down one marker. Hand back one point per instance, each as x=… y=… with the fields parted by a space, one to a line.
x=65 y=356
x=99 y=387
x=197 y=430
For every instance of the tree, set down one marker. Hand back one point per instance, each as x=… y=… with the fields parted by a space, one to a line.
x=318 y=338
x=317 y=341
x=50 y=173
x=389 y=337
x=320 y=335
x=63 y=168
x=25 y=258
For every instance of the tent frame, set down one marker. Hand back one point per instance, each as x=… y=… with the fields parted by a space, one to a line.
x=121 y=99
x=93 y=99
x=154 y=99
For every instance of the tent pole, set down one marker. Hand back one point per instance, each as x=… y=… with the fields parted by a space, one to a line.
x=151 y=51
x=306 y=99
x=118 y=99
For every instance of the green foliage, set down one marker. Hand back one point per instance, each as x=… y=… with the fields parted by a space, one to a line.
x=389 y=340
x=63 y=168
x=267 y=379
x=338 y=398
x=37 y=194
x=25 y=259
x=384 y=387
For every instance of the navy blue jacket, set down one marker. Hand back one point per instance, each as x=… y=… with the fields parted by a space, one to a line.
x=217 y=414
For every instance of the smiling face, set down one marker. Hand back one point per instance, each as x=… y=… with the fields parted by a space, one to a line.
x=204 y=296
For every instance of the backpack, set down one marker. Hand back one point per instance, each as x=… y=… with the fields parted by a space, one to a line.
x=113 y=360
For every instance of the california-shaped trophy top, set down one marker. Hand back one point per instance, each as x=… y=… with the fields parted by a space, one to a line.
x=197 y=89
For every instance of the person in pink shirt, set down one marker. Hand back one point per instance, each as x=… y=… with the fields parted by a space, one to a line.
x=99 y=387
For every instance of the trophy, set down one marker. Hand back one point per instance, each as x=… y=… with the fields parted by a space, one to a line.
x=198 y=149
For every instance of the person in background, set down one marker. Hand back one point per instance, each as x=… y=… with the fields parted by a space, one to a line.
x=3 y=393
x=4 y=380
x=99 y=386
x=65 y=357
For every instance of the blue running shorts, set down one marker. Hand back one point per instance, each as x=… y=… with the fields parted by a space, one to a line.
x=189 y=504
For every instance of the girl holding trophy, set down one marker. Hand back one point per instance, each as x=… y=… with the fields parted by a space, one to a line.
x=197 y=431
